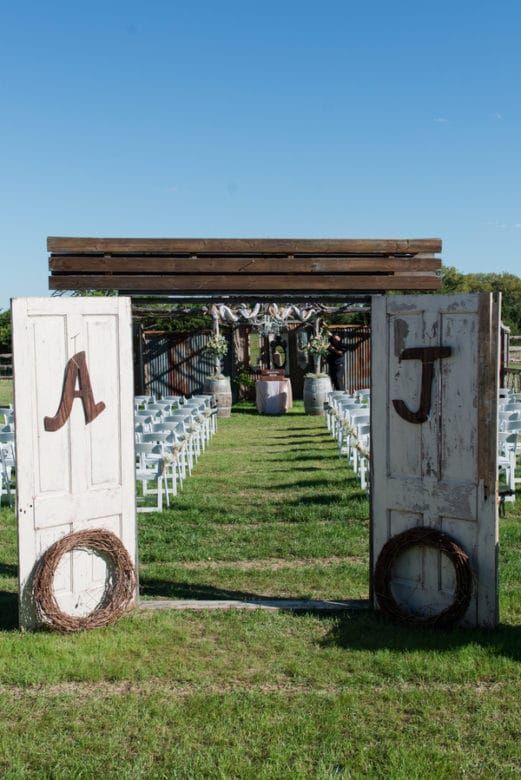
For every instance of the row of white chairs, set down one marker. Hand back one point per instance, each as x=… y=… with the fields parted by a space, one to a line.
x=7 y=454
x=509 y=439
x=348 y=421
x=171 y=434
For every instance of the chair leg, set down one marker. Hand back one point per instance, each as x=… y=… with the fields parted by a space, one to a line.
x=160 y=494
x=174 y=478
x=165 y=485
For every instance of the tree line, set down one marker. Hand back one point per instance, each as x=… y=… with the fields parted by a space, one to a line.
x=507 y=284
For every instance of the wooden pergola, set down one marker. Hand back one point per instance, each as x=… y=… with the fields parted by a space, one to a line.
x=192 y=268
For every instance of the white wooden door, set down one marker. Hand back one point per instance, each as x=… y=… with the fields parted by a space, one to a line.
x=440 y=472
x=72 y=473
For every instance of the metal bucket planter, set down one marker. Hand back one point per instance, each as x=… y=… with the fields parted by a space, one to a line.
x=315 y=393
x=222 y=393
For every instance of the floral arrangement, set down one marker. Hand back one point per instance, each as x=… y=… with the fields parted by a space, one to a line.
x=317 y=345
x=216 y=345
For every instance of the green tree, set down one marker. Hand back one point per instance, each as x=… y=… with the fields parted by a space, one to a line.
x=172 y=319
x=509 y=285
x=453 y=280
x=5 y=332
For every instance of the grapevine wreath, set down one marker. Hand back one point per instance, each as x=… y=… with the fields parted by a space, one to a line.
x=119 y=589
x=438 y=540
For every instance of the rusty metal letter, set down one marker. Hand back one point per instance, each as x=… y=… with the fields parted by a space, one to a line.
x=427 y=355
x=76 y=369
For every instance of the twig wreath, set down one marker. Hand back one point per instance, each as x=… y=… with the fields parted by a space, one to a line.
x=119 y=588
x=429 y=537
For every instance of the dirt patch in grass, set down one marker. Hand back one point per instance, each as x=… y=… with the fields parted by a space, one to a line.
x=106 y=689
x=262 y=564
x=262 y=524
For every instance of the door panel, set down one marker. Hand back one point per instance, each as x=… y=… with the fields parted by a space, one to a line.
x=440 y=472
x=82 y=474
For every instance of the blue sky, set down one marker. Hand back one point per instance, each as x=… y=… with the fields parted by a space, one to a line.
x=340 y=119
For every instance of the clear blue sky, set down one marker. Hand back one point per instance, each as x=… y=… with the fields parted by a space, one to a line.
x=340 y=119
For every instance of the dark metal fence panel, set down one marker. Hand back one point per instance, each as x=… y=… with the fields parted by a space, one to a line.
x=357 y=341
x=176 y=364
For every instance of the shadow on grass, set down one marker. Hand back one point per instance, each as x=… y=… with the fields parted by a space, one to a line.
x=300 y=433
x=307 y=429
x=157 y=588
x=294 y=468
x=8 y=570
x=338 y=486
x=294 y=441
x=357 y=629
x=369 y=631
x=297 y=457
x=334 y=497
x=8 y=611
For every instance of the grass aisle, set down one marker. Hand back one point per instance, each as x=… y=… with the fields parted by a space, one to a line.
x=259 y=694
x=270 y=510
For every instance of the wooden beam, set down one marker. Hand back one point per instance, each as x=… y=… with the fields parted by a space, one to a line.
x=139 y=298
x=83 y=264
x=245 y=282
x=214 y=246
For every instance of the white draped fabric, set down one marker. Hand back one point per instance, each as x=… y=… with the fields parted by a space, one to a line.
x=273 y=396
x=281 y=315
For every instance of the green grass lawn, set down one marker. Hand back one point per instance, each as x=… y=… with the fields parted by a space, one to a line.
x=269 y=510
x=6 y=392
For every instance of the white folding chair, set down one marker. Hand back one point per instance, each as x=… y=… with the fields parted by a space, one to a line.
x=346 y=413
x=507 y=445
x=171 y=451
x=140 y=401
x=183 y=425
x=513 y=406
x=145 y=419
x=333 y=397
x=192 y=428
x=201 y=415
x=7 y=465
x=175 y=429
x=174 y=400
x=357 y=421
x=364 y=438
x=150 y=467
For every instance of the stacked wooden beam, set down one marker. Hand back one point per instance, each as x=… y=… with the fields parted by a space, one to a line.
x=198 y=266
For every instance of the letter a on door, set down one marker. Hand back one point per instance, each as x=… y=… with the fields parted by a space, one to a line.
x=74 y=438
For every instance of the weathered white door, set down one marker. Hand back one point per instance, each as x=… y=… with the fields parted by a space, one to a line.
x=434 y=450
x=74 y=437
